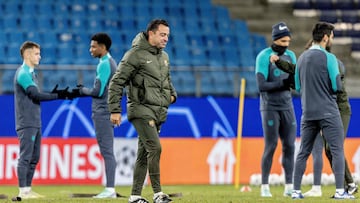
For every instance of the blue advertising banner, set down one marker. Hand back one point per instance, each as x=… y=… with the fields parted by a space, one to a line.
x=189 y=117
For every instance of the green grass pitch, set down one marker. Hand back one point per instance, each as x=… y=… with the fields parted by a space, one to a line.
x=190 y=194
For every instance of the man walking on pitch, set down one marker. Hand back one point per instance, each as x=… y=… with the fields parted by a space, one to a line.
x=145 y=71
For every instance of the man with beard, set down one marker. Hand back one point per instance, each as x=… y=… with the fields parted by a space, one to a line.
x=318 y=79
x=276 y=107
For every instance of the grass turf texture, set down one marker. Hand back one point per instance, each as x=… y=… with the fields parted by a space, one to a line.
x=190 y=193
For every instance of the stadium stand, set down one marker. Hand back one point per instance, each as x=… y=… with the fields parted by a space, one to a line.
x=204 y=39
x=343 y=13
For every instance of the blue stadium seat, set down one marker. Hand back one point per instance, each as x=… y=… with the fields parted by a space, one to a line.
x=186 y=84
x=216 y=59
x=198 y=57
x=350 y=16
x=7 y=81
x=329 y=16
x=44 y=23
x=322 y=4
x=2 y=53
x=28 y=23
x=212 y=41
x=258 y=42
x=64 y=54
x=48 y=54
x=196 y=40
x=251 y=86
x=11 y=23
x=175 y=11
x=222 y=14
x=94 y=9
x=247 y=59
x=88 y=77
x=190 y=12
x=78 y=10
x=158 y=10
x=45 y=9
x=231 y=59
x=223 y=83
x=181 y=57
x=208 y=25
x=346 y=4
x=12 y=55
x=302 y=4
x=34 y=36
x=94 y=25
x=61 y=23
x=49 y=38
x=16 y=38
x=142 y=11
x=229 y=40
x=207 y=83
x=78 y=24
x=126 y=12
x=29 y=7
x=192 y=26
x=82 y=55
x=11 y=8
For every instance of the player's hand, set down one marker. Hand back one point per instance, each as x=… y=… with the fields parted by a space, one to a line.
x=115 y=119
x=274 y=58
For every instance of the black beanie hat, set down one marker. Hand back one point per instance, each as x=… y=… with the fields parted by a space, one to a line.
x=280 y=30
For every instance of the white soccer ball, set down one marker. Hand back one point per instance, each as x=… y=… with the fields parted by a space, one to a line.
x=274 y=179
x=255 y=179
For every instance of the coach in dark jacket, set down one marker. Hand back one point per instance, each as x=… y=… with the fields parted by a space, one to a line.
x=145 y=71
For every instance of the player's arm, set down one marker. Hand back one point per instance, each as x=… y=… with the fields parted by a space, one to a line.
x=102 y=77
x=334 y=74
x=262 y=72
x=31 y=89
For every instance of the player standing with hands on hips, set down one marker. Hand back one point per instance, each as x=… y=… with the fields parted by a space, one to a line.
x=317 y=77
x=145 y=71
x=276 y=107
x=27 y=98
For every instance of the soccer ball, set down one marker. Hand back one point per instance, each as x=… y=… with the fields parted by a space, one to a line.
x=125 y=162
x=274 y=179
x=255 y=179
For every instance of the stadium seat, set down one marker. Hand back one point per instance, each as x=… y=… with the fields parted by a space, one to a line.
x=48 y=54
x=350 y=16
x=11 y=8
x=212 y=41
x=61 y=23
x=11 y=23
x=322 y=4
x=198 y=57
x=216 y=59
x=28 y=23
x=231 y=59
x=44 y=23
x=45 y=9
x=158 y=10
x=12 y=54
x=302 y=4
x=7 y=81
x=64 y=54
x=329 y=16
x=181 y=57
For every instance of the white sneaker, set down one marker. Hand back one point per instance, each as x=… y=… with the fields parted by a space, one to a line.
x=265 y=192
x=313 y=193
x=344 y=195
x=287 y=192
x=30 y=195
x=106 y=194
x=297 y=195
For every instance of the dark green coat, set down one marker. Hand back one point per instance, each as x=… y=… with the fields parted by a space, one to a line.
x=145 y=71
